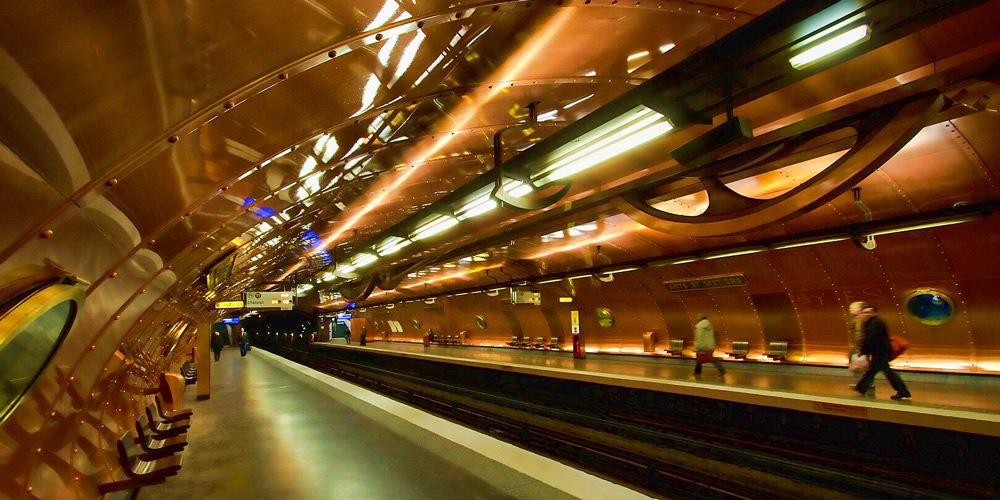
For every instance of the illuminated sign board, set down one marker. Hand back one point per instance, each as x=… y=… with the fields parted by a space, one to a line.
x=345 y=316
x=270 y=300
x=230 y=304
x=231 y=321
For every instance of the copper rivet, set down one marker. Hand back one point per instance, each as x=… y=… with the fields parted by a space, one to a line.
x=421 y=23
x=230 y=105
x=187 y=214
x=30 y=488
x=332 y=54
x=75 y=450
x=142 y=291
x=173 y=139
x=378 y=36
x=111 y=182
x=45 y=234
x=52 y=414
x=38 y=450
x=92 y=347
x=72 y=378
x=117 y=316
x=458 y=15
x=152 y=242
x=113 y=275
x=283 y=76
x=497 y=7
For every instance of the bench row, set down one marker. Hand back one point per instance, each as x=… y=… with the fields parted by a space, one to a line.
x=153 y=452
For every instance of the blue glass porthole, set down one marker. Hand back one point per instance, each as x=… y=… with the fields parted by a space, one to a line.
x=930 y=307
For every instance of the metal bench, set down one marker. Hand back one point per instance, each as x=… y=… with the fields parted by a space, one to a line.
x=150 y=444
x=740 y=349
x=140 y=472
x=777 y=350
x=539 y=343
x=676 y=347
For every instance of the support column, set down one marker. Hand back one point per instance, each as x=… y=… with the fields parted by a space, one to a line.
x=204 y=362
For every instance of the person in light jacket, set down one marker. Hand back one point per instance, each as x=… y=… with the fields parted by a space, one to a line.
x=704 y=345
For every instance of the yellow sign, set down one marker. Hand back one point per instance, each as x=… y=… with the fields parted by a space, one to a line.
x=232 y=304
x=565 y=299
x=575 y=317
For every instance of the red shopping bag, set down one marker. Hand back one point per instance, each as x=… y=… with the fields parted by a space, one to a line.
x=897 y=345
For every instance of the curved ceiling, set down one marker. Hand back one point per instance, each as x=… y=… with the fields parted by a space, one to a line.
x=301 y=131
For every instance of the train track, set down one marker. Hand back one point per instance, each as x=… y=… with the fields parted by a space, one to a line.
x=664 y=457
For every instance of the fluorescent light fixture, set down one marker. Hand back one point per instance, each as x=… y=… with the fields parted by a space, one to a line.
x=831 y=46
x=580 y=275
x=578 y=101
x=478 y=206
x=685 y=260
x=624 y=270
x=667 y=47
x=632 y=128
x=517 y=188
x=637 y=55
x=391 y=245
x=550 y=280
x=805 y=243
x=734 y=253
x=320 y=143
x=345 y=268
x=926 y=225
x=434 y=226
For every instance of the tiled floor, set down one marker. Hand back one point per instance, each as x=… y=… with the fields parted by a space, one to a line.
x=269 y=432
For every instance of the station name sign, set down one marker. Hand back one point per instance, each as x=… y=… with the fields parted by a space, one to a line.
x=230 y=304
x=270 y=300
x=706 y=283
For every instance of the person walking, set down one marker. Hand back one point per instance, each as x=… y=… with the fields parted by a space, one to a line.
x=860 y=314
x=704 y=345
x=242 y=338
x=876 y=347
x=217 y=344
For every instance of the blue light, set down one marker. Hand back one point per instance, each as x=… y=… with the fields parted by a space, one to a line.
x=262 y=212
x=352 y=305
x=231 y=321
x=345 y=315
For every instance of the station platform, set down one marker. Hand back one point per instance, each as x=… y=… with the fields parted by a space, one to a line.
x=962 y=403
x=276 y=429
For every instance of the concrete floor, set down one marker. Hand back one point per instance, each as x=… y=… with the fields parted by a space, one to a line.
x=269 y=433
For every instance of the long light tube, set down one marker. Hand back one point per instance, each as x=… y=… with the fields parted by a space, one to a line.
x=391 y=245
x=433 y=227
x=831 y=46
x=640 y=126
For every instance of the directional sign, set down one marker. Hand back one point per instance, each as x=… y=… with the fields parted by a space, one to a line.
x=231 y=321
x=270 y=300
x=231 y=304
x=575 y=321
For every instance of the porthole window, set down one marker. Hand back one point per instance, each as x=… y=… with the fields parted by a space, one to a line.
x=30 y=332
x=481 y=322
x=416 y=324
x=604 y=317
x=930 y=307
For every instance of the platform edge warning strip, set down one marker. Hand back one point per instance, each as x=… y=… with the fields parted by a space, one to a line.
x=545 y=470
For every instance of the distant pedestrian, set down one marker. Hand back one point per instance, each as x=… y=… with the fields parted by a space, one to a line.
x=347 y=335
x=242 y=337
x=364 y=335
x=876 y=347
x=217 y=344
x=704 y=345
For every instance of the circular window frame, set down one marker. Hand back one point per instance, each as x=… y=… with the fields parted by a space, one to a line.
x=929 y=291
x=609 y=319
x=14 y=320
x=481 y=322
